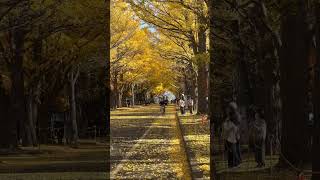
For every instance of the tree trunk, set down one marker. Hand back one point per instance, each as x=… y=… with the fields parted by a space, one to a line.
x=43 y=123
x=242 y=90
x=132 y=92
x=17 y=89
x=120 y=97
x=293 y=83
x=265 y=84
x=185 y=82
x=267 y=62
x=67 y=129
x=31 y=120
x=35 y=119
x=211 y=85
x=8 y=134
x=113 y=103
x=116 y=90
x=316 y=95
x=243 y=94
x=202 y=73
x=73 y=80
x=35 y=104
x=107 y=86
x=193 y=91
x=268 y=99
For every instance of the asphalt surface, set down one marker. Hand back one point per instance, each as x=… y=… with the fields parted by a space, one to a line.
x=145 y=144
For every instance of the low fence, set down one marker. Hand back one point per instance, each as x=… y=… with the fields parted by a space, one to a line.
x=56 y=135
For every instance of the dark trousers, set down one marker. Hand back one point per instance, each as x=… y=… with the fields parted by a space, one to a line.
x=238 y=150
x=191 y=109
x=260 y=152
x=182 y=110
x=163 y=109
x=231 y=149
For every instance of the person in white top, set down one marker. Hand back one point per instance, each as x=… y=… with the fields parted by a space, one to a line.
x=236 y=119
x=229 y=132
x=190 y=105
x=182 y=105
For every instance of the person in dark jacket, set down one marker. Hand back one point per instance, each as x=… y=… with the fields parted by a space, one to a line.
x=162 y=104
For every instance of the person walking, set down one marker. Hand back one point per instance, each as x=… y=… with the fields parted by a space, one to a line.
x=236 y=119
x=182 y=105
x=166 y=101
x=128 y=103
x=260 y=131
x=162 y=106
x=229 y=132
x=190 y=105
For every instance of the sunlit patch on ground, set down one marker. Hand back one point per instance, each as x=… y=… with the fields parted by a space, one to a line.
x=200 y=139
x=55 y=176
x=133 y=117
x=158 y=141
x=197 y=136
x=145 y=146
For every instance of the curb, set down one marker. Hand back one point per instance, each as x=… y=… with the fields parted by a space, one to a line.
x=184 y=149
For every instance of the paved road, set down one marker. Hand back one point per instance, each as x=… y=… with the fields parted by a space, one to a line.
x=145 y=145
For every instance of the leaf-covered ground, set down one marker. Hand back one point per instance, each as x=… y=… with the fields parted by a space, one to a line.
x=56 y=176
x=145 y=144
x=247 y=169
x=197 y=136
x=56 y=162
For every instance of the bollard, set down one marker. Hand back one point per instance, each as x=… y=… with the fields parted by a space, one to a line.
x=39 y=139
x=95 y=134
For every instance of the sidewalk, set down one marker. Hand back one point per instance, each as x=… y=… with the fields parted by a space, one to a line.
x=197 y=137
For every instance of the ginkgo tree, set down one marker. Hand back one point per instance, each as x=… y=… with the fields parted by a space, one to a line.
x=136 y=61
x=41 y=42
x=145 y=67
x=184 y=22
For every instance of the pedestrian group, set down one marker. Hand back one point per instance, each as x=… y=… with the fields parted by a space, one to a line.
x=231 y=131
x=231 y=136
